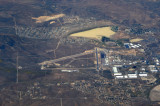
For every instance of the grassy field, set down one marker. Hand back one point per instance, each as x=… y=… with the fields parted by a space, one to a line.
x=95 y=33
x=136 y=40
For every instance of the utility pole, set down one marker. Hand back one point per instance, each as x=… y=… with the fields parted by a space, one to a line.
x=17 y=67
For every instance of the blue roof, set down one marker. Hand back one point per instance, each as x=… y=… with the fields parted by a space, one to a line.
x=127 y=46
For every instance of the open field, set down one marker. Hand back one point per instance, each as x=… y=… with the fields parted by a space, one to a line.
x=155 y=93
x=42 y=19
x=136 y=40
x=95 y=33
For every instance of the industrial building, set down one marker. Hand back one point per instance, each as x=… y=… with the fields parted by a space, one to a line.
x=118 y=75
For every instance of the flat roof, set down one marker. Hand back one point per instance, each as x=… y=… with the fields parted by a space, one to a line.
x=115 y=70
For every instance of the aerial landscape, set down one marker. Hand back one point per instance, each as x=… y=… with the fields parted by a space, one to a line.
x=79 y=52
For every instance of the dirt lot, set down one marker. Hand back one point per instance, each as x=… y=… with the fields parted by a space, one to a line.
x=155 y=94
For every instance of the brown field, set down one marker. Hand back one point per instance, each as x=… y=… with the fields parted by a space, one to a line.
x=126 y=52
x=155 y=93
x=95 y=33
x=42 y=19
x=120 y=35
x=136 y=40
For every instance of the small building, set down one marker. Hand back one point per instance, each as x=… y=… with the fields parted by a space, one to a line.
x=131 y=45
x=132 y=75
x=143 y=74
x=106 y=61
x=125 y=76
x=157 y=61
x=119 y=77
x=103 y=55
x=127 y=45
x=153 y=68
x=118 y=65
x=116 y=72
x=143 y=69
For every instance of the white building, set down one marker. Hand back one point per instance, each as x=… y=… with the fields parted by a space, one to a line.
x=115 y=72
x=143 y=74
x=118 y=65
x=157 y=61
x=119 y=77
x=125 y=76
x=143 y=69
x=132 y=75
x=106 y=61
x=134 y=45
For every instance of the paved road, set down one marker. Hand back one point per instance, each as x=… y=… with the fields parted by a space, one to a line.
x=67 y=57
x=70 y=68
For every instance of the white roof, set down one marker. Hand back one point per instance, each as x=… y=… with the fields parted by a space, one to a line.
x=119 y=77
x=154 y=70
x=143 y=69
x=117 y=74
x=125 y=76
x=118 y=65
x=115 y=70
x=143 y=75
x=151 y=65
x=126 y=43
x=69 y=70
x=131 y=43
x=132 y=76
